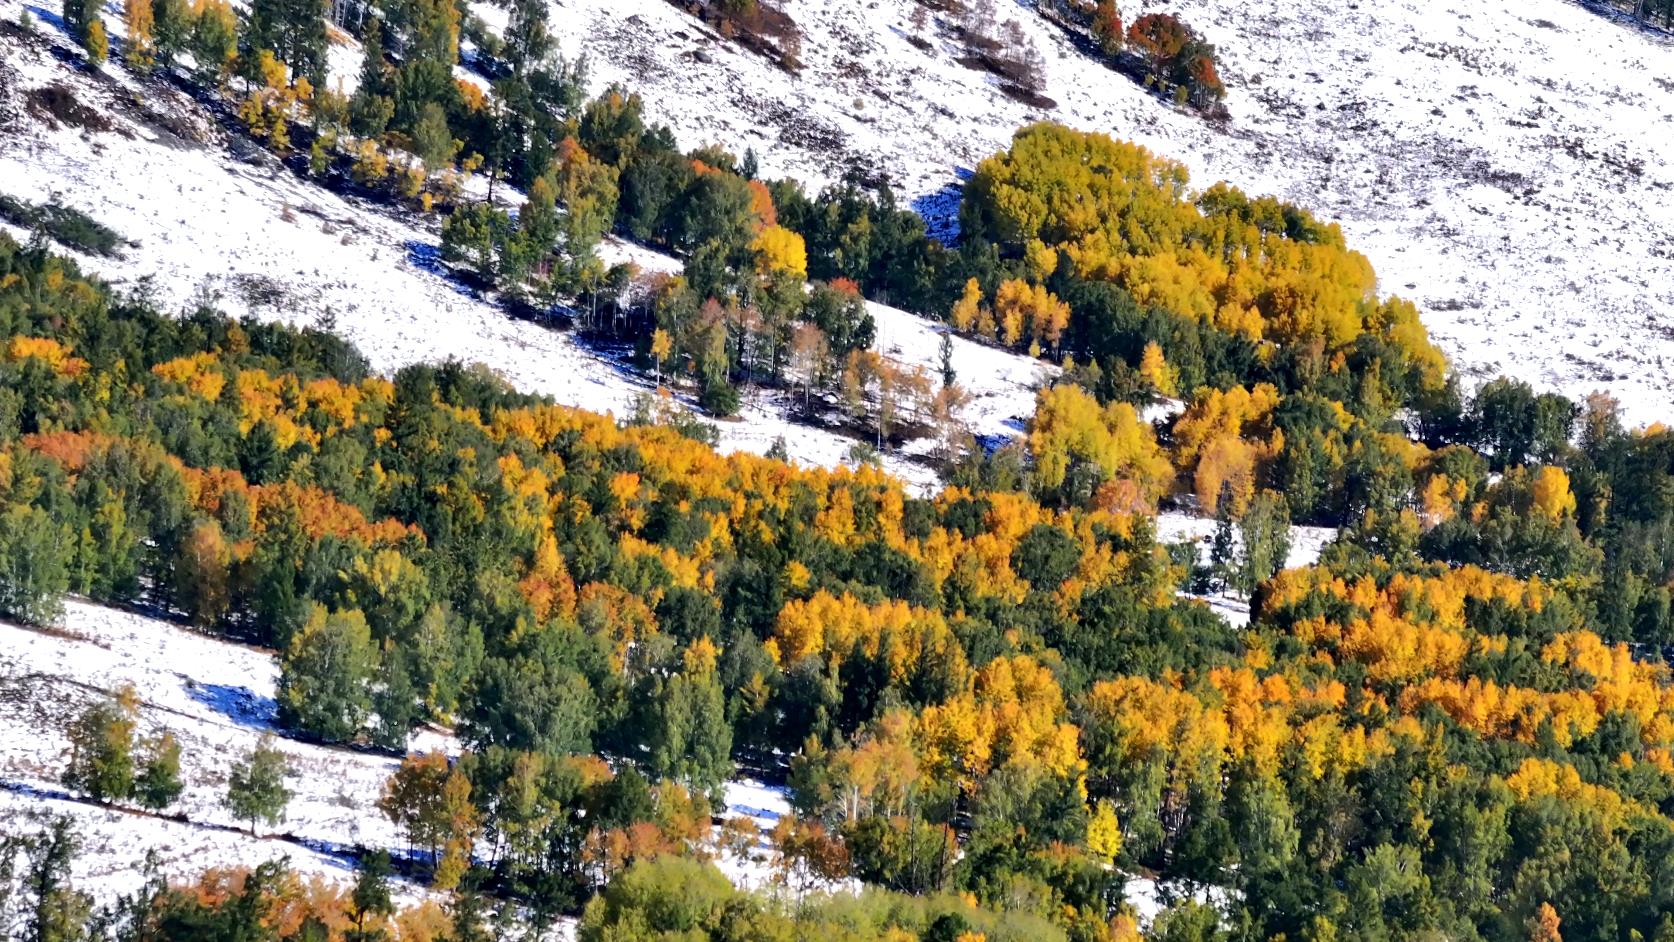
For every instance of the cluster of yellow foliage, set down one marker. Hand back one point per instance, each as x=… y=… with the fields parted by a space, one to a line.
x=1023 y=315
x=48 y=351
x=1253 y=268
x=1223 y=439
x=1070 y=427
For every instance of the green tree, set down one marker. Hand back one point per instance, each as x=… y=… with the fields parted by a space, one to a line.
x=34 y=558
x=158 y=785
x=432 y=138
x=326 y=675
x=1266 y=531
x=256 y=788
x=295 y=31
x=372 y=896
x=59 y=912
x=102 y=749
x=691 y=740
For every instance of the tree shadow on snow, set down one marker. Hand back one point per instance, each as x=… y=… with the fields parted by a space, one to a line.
x=47 y=17
x=940 y=208
x=239 y=704
x=428 y=258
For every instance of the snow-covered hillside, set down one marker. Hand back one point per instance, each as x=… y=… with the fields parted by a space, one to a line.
x=217 y=698
x=1502 y=163
x=216 y=218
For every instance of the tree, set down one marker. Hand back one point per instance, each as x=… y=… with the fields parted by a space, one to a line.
x=1159 y=38
x=326 y=674
x=430 y=800
x=691 y=740
x=141 y=24
x=202 y=575
x=1071 y=433
x=372 y=891
x=256 y=787
x=34 y=565
x=1266 y=531
x=1104 y=832
x=96 y=43
x=1543 y=925
x=294 y=31
x=214 y=39
x=159 y=783
x=60 y=912
x=102 y=749
x=432 y=139
x=78 y=15
x=661 y=346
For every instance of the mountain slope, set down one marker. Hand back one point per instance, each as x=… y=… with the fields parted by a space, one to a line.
x=1498 y=162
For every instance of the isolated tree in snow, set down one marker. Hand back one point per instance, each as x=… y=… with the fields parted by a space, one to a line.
x=102 y=749
x=158 y=785
x=325 y=677
x=256 y=788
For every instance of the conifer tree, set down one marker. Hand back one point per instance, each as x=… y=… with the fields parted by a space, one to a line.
x=326 y=674
x=159 y=783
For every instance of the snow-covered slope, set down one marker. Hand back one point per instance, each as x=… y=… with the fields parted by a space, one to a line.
x=217 y=699
x=1502 y=163
x=217 y=218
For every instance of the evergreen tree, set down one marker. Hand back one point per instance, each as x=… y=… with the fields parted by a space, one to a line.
x=159 y=780
x=1222 y=549
x=294 y=31
x=78 y=15
x=59 y=912
x=173 y=29
x=1266 y=531
x=371 y=896
x=34 y=565
x=256 y=788
x=432 y=140
x=326 y=674
x=691 y=740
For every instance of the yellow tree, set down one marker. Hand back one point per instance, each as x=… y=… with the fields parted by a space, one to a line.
x=965 y=313
x=142 y=48
x=780 y=250
x=1070 y=429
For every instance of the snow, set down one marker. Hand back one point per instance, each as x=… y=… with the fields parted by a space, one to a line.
x=1499 y=162
x=217 y=698
x=229 y=224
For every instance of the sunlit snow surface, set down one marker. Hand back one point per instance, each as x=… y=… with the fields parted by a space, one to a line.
x=1502 y=163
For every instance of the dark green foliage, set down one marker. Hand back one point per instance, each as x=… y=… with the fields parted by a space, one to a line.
x=67 y=226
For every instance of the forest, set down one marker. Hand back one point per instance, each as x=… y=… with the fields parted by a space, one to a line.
x=990 y=705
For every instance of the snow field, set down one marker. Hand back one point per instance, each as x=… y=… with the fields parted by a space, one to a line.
x=1498 y=162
